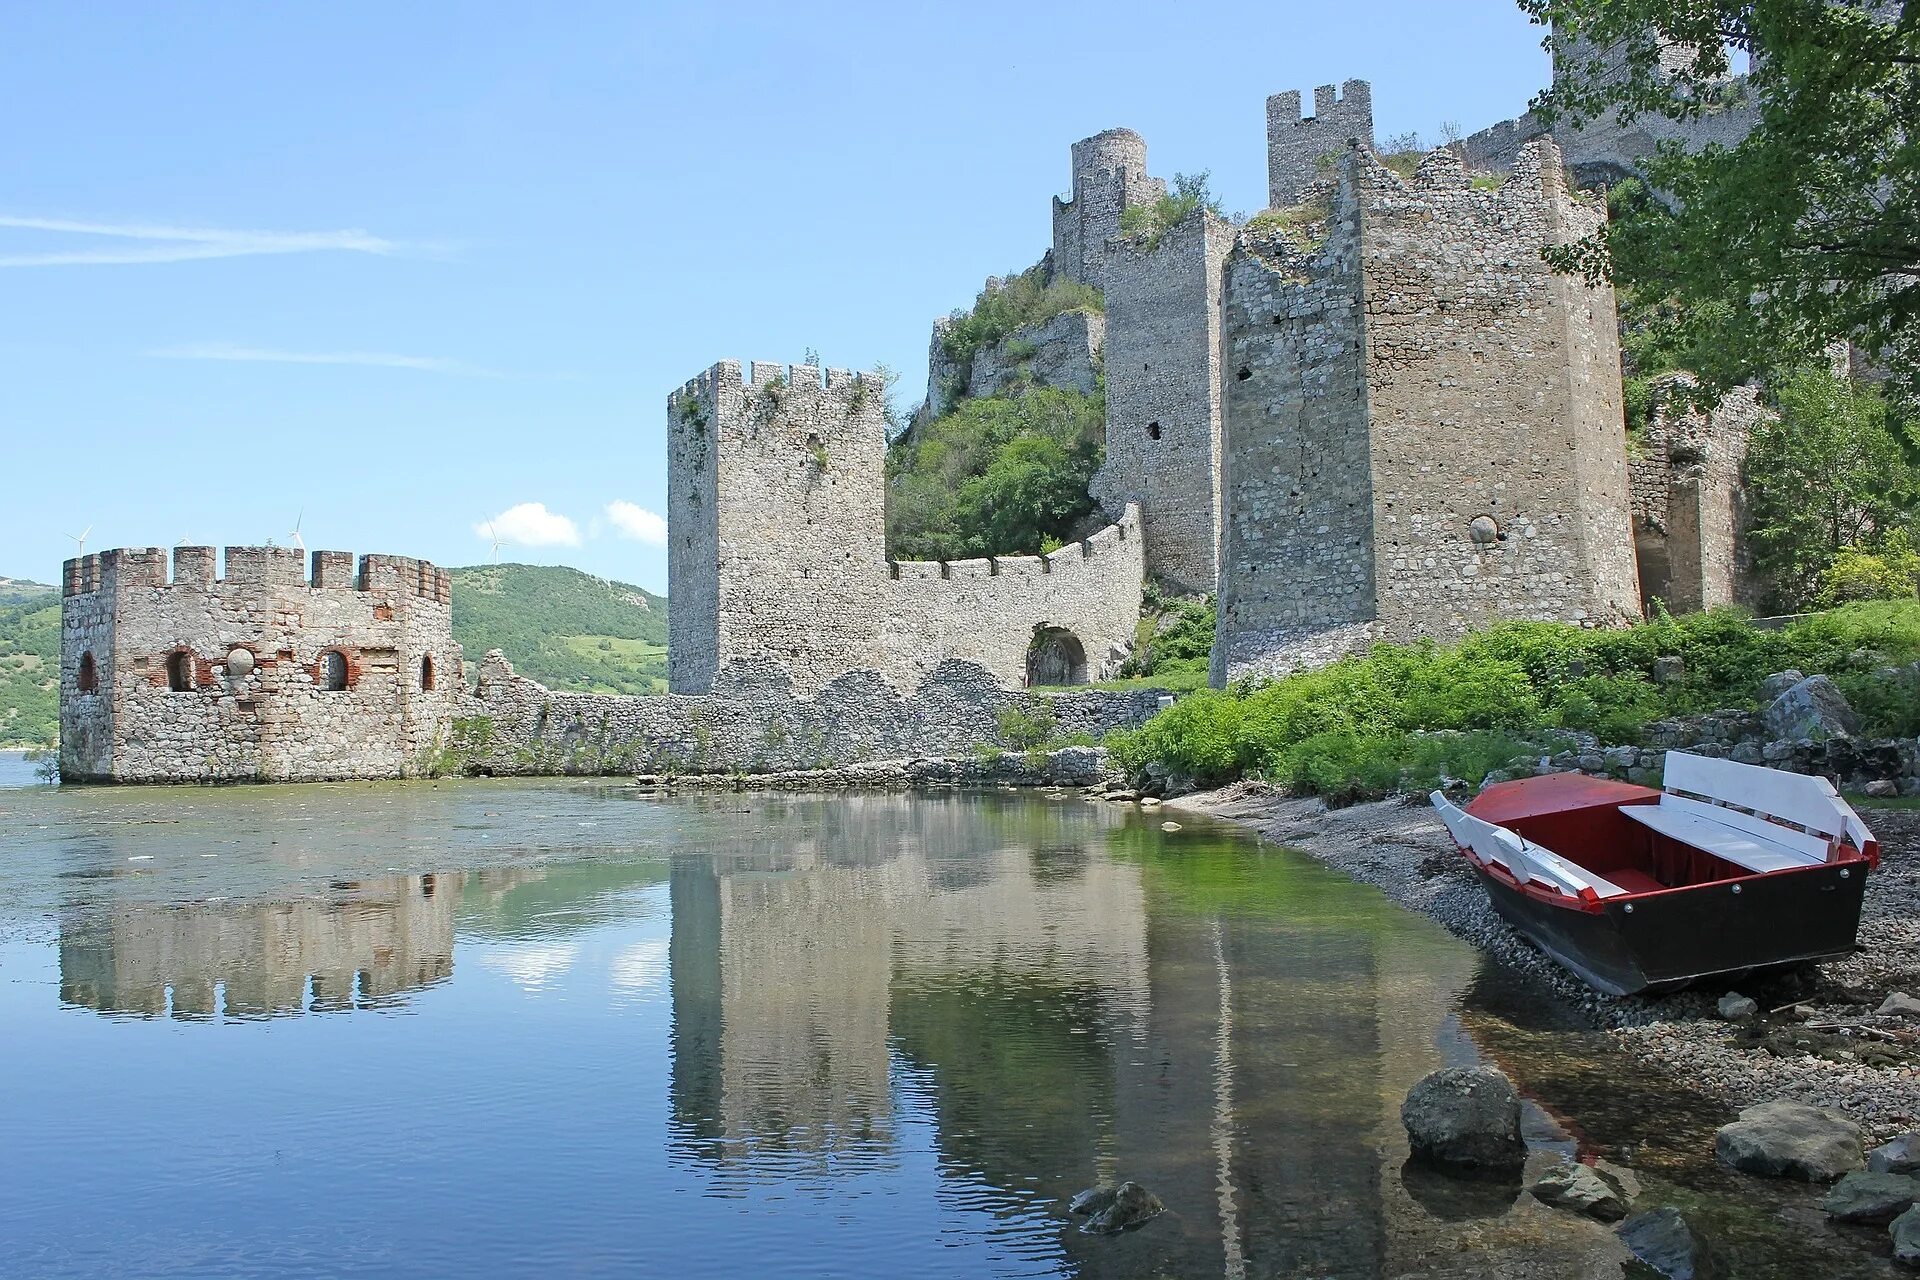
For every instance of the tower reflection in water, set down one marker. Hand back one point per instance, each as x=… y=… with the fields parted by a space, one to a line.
x=1077 y=999
x=363 y=943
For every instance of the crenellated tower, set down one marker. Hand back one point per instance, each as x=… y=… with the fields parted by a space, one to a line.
x=1109 y=177
x=1302 y=150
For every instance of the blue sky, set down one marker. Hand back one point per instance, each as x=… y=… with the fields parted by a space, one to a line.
x=406 y=267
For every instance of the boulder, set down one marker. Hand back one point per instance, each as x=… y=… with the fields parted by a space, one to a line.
x=1735 y=1007
x=1669 y=670
x=1784 y=1139
x=1905 y=1231
x=1899 y=1004
x=1583 y=1190
x=1110 y=1210
x=1814 y=709
x=1881 y=789
x=1902 y=1155
x=1874 y=1198
x=1465 y=1120
x=1663 y=1240
x=1778 y=683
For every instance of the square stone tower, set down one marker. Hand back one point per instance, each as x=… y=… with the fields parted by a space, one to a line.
x=1423 y=426
x=263 y=675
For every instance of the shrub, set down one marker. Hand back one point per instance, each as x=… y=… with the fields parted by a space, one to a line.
x=1890 y=574
x=1004 y=306
x=1152 y=220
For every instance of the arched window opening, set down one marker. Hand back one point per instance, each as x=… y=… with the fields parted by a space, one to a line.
x=180 y=672
x=333 y=671
x=426 y=673
x=88 y=678
x=1056 y=657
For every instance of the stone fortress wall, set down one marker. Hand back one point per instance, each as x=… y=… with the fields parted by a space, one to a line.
x=778 y=551
x=1300 y=150
x=1689 y=508
x=205 y=679
x=1423 y=428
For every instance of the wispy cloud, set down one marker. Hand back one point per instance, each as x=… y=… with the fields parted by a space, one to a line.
x=637 y=522
x=148 y=242
x=270 y=355
x=530 y=524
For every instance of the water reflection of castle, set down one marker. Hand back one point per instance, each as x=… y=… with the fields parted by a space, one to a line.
x=363 y=943
x=1072 y=1017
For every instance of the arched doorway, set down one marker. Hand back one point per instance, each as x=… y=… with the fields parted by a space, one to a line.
x=333 y=671
x=1056 y=657
x=180 y=671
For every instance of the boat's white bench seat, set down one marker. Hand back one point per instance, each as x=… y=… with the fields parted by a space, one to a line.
x=1524 y=860
x=1737 y=812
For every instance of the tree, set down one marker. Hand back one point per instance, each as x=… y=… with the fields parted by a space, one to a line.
x=1824 y=477
x=1807 y=231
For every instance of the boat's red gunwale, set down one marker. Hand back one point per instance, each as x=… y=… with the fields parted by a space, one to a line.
x=1594 y=904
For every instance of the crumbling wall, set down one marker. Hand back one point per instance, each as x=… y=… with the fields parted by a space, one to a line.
x=1489 y=400
x=755 y=720
x=252 y=651
x=792 y=470
x=1689 y=505
x=1163 y=394
x=1301 y=152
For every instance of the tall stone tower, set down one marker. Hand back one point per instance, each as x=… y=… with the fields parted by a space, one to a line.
x=266 y=674
x=1109 y=177
x=1423 y=421
x=1163 y=394
x=1301 y=151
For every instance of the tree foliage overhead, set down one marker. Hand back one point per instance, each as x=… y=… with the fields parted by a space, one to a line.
x=1806 y=232
x=1004 y=475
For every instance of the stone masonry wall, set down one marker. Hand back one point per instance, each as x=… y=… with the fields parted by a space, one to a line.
x=1689 y=508
x=1163 y=395
x=1490 y=393
x=1298 y=149
x=253 y=647
x=754 y=721
x=794 y=557
x=1109 y=176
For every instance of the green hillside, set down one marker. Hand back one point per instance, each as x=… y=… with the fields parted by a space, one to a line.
x=562 y=627
x=29 y=663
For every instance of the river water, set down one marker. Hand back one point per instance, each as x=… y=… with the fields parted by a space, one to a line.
x=488 y=1027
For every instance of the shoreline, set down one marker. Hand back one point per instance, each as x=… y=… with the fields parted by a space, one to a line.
x=1400 y=847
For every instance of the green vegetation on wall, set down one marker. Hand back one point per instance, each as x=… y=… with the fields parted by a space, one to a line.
x=1005 y=475
x=1152 y=220
x=564 y=628
x=1003 y=306
x=1404 y=716
x=29 y=663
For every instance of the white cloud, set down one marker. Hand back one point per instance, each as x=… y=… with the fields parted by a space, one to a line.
x=147 y=242
x=637 y=523
x=530 y=524
x=533 y=966
x=642 y=966
x=376 y=359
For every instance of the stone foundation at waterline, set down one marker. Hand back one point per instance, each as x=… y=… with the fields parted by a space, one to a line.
x=754 y=722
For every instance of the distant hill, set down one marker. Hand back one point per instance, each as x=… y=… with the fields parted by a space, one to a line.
x=29 y=663
x=562 y=627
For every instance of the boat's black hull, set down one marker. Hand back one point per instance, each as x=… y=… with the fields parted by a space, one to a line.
x=1665 y=941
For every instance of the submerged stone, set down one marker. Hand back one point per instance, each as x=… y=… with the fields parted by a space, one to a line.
x=1465 y=1119
x=1871 y=1197
x=1110 y=1210
x=1664 y=1240
x=1575 y=1186
x=1905 y=1231
x=1784 y=1139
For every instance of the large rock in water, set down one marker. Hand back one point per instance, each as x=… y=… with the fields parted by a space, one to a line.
x=1782 y=1139
x=1110 y=1210
x=1583 y=1190
x=1814 y=709
x=1873 y=1198
x=1662 y=1239
x=1465 y=1120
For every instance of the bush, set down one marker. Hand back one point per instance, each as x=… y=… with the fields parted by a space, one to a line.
x=1890 y=574
x=1402 y=714
x=1004 y=306
x=1154 y=219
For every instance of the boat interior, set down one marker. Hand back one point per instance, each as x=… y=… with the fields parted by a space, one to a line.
x=1716 y=821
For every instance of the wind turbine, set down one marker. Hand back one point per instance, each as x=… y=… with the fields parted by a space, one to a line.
x=294 y=537
x=495 y=538
x=80 y=541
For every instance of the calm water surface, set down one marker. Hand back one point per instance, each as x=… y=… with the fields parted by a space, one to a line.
x=494 y=1028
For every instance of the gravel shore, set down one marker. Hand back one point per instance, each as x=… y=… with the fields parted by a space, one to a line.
x=1817 y=1039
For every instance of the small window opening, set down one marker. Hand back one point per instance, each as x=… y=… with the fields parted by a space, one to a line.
x=180 y=672
x=88 y=679
x=1245 y=373
x=426 y=673
x=333 y=671
x=1153 y=431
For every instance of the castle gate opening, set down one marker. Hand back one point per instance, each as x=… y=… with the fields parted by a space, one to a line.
x=1056 y=657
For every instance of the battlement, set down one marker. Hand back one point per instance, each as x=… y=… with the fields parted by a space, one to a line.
x=1060 y=560
x=194 y=567
x=1109 y=177
x=726 y=383
x=1297 y=144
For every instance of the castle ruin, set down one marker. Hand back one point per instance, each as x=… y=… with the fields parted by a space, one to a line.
x=265 y=674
